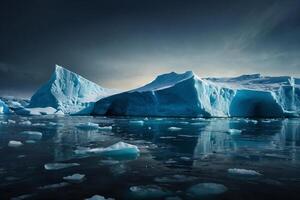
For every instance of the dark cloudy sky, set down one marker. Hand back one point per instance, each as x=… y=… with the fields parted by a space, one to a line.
x=126 y=43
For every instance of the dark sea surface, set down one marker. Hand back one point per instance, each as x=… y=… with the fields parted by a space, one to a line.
x=173 y=163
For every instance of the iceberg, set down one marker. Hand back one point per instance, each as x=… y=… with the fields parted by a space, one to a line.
x=187 y=95
x=69 y=93
x=3 y=108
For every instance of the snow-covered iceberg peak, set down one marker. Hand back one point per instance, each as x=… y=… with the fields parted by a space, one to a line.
x=166 y=80
x=187 y=95
x=69 y=92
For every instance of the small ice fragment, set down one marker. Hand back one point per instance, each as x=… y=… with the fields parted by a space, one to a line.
x=33 y=135
x=175 y=179
x=245 y=172
x=105 y=127
x=38 y=124
x=56 y=166
x=148 y=192
x=25 y=123
x=204 y=190
x=137 y=122
x=3 y=123
x=87 y=126
x=54 y=186
x=167 y=137
x=30 y=141
x=234 y=131
x=117 y=149
x=75 y=178
x=170 y=161
x=173 y=128
x=14 y=143
x=110 y=162
x=185 y=158
x=11 y=121
x=99 y=197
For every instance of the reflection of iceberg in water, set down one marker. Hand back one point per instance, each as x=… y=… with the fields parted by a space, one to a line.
x=65 y=141
x=214 y=139
x=288 y=137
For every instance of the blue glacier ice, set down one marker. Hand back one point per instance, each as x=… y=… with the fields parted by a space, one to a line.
x=187 y=95
x=3 y=108
x=68 y=92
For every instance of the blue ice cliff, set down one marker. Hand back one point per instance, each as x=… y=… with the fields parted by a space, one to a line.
x=187 y=95
x=3 y=108
x=68 y=92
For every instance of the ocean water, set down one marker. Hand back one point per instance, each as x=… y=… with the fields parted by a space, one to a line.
x=179 y=158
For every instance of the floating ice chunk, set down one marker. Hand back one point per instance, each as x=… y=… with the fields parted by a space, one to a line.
x=175 y=179
x=11 y=121
x=105 y=128
x=234 y=131
x=54 y=186
x=244 y=172
x=30 y=141
x=39 y=124
x=57 y=166
x=185 y=158
x=88 y=126
x=25 y=123
x=99 y=197
x=110 y=162
x=136 y=122
x=37 y=111
x=14 y=143
x=148 y=192
x=204 y=190
x=118 y=149
x=33 y=135
x=167 y=137
x=75 y=178
x=3 y=123
x=173 y=128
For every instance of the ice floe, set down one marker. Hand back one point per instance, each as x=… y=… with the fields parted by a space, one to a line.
x=57 y=166
x=244 y=172
x=75 y=178
x=14 y=143
x=54 y=186
x=148 y=192
x=98 y=197
x=117 y=149
x=173 y=128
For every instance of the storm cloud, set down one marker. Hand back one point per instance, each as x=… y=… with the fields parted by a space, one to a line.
x=126 y=43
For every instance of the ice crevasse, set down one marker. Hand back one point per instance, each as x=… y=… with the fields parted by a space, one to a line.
x=187 y=95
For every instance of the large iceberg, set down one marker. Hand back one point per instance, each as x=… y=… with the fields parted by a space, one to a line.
x=68 y=92
x=187 y=95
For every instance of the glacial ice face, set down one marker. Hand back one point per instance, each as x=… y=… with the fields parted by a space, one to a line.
x=187 y=95
x=68 y=92
x=3 y=108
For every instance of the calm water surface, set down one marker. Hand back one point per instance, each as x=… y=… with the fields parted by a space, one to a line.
x=170 y=161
